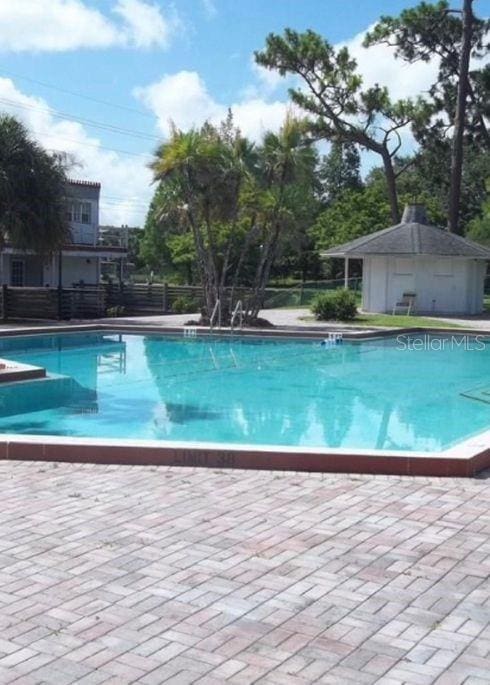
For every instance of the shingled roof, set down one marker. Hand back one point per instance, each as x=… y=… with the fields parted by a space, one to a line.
x=413 y=236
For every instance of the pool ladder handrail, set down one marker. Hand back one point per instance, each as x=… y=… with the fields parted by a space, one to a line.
x=237 y=312
x=215 y=313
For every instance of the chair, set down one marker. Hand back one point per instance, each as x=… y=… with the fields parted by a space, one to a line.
x=406 y=305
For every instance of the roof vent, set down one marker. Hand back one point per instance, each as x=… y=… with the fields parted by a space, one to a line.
x=414 y=214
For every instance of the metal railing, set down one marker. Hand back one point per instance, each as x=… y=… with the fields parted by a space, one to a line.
x=216 y=313
x=237 y=312
x=303 y=294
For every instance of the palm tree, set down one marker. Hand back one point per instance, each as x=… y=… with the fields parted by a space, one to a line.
x=285 y=157
x=207 y=169
x=32 y=192
x=232 y=197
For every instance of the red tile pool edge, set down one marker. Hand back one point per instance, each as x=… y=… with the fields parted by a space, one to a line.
x=273 y=459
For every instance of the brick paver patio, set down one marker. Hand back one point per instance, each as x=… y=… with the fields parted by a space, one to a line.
x=160 y=575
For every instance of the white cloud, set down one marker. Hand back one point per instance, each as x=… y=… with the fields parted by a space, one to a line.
x=60 y=25
x=184 y=99
x=120 y=175
x=378 y=64
x=146 y=25
x=268 y=79
x=255 y=117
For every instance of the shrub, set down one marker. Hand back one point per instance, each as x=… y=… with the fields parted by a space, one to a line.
x=339 y=305
x=184 y=305
x=118 y=310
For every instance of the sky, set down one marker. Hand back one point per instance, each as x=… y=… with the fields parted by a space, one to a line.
x=102 y=79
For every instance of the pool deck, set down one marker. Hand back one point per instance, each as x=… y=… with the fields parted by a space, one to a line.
x=295 y=318
x=292 y=319
x=150 y=575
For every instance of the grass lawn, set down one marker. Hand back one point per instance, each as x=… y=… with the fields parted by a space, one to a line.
x=400 y=321
x=389 y=321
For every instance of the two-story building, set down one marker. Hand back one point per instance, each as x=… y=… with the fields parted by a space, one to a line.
x=79 y=262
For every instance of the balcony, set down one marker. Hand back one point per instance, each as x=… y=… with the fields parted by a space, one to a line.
x=95 y=236
x=84 y=234
x=113 y=236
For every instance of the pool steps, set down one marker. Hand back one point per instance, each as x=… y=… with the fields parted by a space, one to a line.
x=12 y=372
x=57 y=391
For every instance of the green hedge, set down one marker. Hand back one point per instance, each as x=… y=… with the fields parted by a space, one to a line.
x=337 y=305
x=184 y=305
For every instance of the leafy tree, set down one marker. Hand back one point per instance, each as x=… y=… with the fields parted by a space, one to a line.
x=236 y=201
x=355 y=213
x=286 y=168
x=360 y=212
x=434 y=30
x=432 y=166
x=204 y=171
x=165 y=247
x=340 y=170
x=479 y=228
x=296 y=254
x=342 y=111
x=183 y=256
x=32 y=191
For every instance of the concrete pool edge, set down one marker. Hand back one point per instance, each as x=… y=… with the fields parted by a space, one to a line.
x=277 y=332
x=465 y=459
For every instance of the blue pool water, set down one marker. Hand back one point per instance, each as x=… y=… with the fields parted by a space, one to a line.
x=376 y=394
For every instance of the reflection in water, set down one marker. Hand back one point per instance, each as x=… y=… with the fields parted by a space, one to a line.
x=71 y=388
x=288 y=394
x=383 y=426
x=250 y=391
x=36 y=428
x=171 y=412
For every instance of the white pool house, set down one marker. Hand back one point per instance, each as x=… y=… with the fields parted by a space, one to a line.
x=438 y=271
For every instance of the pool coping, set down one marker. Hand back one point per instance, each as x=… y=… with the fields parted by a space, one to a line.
x=465 y=459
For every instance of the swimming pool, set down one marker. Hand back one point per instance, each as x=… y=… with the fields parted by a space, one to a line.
x=413 y=394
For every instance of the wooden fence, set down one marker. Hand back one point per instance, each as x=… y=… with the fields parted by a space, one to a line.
x=29 y=303
x=160 y=298
x=155 y=298
x=52 y=303
x=93 y=302
x=132 y=300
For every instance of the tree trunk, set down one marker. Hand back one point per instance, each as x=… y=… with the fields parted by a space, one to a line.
x=391 y=186
x=263 y=272
x=459 y=120
x=241 y=258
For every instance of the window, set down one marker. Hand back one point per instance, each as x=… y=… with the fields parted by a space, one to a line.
x=80 y=212
x=86 y=212
x=17 y=269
